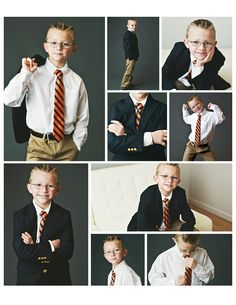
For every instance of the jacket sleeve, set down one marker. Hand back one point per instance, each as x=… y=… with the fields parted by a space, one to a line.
x=131 y=142
x=168 y=70
x=27 y=252
x=67 y=240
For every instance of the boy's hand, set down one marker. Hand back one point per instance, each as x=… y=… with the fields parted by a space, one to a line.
x=29 y=64
x=210 y=105
x=190 y=262
x=179 y=280
x=117 y=128
x=207 y=59
x=185 y=107
x=159 y=137
x=56 y=243
x=27 y=239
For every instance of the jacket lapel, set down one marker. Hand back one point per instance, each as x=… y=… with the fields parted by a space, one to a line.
x=51 y=221
x=148 y=110
x=31 y=219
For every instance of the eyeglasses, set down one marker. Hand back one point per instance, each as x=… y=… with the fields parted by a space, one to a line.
x=172 y=178
x=64 y=45
x=115 y=251
x=187 y=251
x=40 y=186
x=206 y=45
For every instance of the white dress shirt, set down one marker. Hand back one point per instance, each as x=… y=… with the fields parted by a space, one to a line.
x=147 y=139
x=209 y=120
x=39 y=88
x=39 y=217
x=170 y=264
x=125 y=276
x=195 y=71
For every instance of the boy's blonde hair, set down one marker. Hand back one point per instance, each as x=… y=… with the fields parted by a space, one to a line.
x=62 y=27
x=194 y=97
x=203 y=24
x=114 y=238
x=170 y=164
x=44 y=168
x=192 y=239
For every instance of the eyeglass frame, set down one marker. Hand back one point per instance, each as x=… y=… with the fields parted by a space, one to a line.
x=40 y=186
x=198 y=44
x=173 y=178
x=114 y=251
x=64 y=45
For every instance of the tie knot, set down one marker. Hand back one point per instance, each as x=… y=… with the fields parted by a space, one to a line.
x=58 y=73
x=166 y=201
x=139 y=106
x=43 y=214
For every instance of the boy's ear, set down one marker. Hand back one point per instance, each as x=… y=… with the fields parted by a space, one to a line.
x=45 y=46
x=57 y=189
x=29 y=187
x=186 y=43
x=75 y=49
x=155 y=178
x=174 y=240
x=125 y=252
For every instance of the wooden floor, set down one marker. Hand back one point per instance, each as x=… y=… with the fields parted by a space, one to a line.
x=219 y=224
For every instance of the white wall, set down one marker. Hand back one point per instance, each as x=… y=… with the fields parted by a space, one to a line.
x=174 y=29
x=210 y=187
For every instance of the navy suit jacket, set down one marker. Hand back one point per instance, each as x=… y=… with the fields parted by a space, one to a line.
x=130 y=146
x=150 y=211
x=37 y=264
x=130 y=43
x=178 y=62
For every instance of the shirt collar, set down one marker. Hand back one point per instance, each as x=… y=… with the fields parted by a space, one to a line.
x=168 y=197
x=52 y=68
x=39 y=210
x=143 y=102
x=202 y=113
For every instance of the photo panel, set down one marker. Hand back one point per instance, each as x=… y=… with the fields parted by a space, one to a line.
x=129 y=197
x=123 y=253
x=166 y=255
x=36 y=264
x=186 y=39
x=216 y=126
x=28 y=41
x=133 y=53
x=137 y=134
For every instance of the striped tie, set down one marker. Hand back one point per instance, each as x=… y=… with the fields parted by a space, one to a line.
x=113 y=278
x=198 y=131
x=139 y=109
x=187 y=274
x=166 y=214
x=43 y=215
x=58 y=122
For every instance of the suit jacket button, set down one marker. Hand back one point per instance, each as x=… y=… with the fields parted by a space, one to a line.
x=135 y=149
x=45 y=270
x=128 y=149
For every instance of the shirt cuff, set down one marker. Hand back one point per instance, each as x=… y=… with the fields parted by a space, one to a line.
x=147 y=139
x=52 y=247
x=25 y=74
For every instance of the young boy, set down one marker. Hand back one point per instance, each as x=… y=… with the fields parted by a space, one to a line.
x=130 y=44
x=163 y=203
x=194 y=63
x=121 y=273
x=43 y=235
x=202 y=126
x=137 y=128
x=56 y=99
x=184 y=264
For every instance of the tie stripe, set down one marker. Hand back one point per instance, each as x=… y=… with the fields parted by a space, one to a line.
x=43 y=215
x=187 y=274
x=139 y=109
x=59 y=106
x=113 y=278
x=198 y=131
x=166 y=214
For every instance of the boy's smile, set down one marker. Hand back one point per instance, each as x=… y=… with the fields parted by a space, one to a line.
x=196 y=105
x=167 y=179
x=113 y=252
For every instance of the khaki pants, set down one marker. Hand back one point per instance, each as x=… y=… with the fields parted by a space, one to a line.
x=41 y=149
x=191 y=151
x=127 y=78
